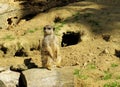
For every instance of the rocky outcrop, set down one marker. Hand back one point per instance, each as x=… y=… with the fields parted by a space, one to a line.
x=2 y=84
x=8 y=78
x=11 y=11
x=62 y=77
x=38 y=77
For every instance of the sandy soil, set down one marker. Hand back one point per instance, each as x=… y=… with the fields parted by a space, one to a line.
x=97 y=52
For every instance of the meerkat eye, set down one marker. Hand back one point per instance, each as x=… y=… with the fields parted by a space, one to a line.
x=44 y=28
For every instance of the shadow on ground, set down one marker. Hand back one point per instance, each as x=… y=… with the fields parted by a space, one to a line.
x=100 y=20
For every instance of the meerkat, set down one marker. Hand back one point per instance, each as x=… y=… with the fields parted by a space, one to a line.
x=50 y=48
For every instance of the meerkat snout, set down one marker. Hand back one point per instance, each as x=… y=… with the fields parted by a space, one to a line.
x=48 y=29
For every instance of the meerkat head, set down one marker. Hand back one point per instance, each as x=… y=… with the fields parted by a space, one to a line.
x=48 y=29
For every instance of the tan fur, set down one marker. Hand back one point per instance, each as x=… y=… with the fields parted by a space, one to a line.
x=50 y=49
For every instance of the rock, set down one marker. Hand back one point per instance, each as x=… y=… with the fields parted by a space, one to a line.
x=62 y=77
x=117 y=53
x=2 y=84
x=106 y=37
x=9 y=78
x=18 y=68
x=12 y=11
x=106 y=51
x=28 y=64
x=3 y=7
x=3 y=69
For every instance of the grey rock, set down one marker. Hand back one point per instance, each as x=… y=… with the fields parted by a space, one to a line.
x=9 y=78
x=3 y=69
x=62 y=77
x=18 y=68
x=3 y=7
x=2 y=84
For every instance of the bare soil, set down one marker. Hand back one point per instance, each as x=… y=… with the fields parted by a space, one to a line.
x=92 y=42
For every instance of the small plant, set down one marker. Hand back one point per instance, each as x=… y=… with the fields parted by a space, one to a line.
x=31 y=30
x=114 y=65
x=91 y=66
x=79 y=74
x=58 y=26
x=107 y=76
x=118 y=77
x=8 y=37
x=76 y=72
x=112 y=84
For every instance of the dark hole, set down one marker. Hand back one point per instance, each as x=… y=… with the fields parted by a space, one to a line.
x=21 y=53
x=0 y=27
x=38 y=3
x=30 y=64
x=117 y=53
x=4 y=49
x=29 y=17
x=106 y=37
x=31 y=49
x=70 y=38
x=57 y=19
x=15 y=17
x=9 y=21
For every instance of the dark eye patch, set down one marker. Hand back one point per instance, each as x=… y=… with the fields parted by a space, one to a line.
x=49 y=28
x=44 y=28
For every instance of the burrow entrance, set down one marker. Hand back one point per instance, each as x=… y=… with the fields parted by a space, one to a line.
x=21 y=53
x=70 y=38
x=29 y=17
x=117 y=53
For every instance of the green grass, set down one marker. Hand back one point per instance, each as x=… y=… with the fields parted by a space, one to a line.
x=112 y=84
x=58 y=27
x=79 y=74
x=118 y=77
x=91 y=66
x=8 y=37
x=114 y=65
x=107 y=75
x=31 y=30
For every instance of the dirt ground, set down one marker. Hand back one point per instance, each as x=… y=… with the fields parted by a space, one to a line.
x=95 y=26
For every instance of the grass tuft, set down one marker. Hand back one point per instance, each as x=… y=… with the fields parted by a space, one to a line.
x=79 y=74
x=8 y=37
x=112 y=84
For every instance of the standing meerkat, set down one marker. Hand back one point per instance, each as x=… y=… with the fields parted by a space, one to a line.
x=50 y=48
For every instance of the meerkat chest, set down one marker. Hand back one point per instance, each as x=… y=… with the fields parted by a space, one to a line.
x=50 y=40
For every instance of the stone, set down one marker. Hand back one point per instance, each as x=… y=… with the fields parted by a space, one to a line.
x=2 y=69
x=62 y=77
x=2 y=84
x=18 y=68
x=9 y=78
x=3 y=7
x=106 y=51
